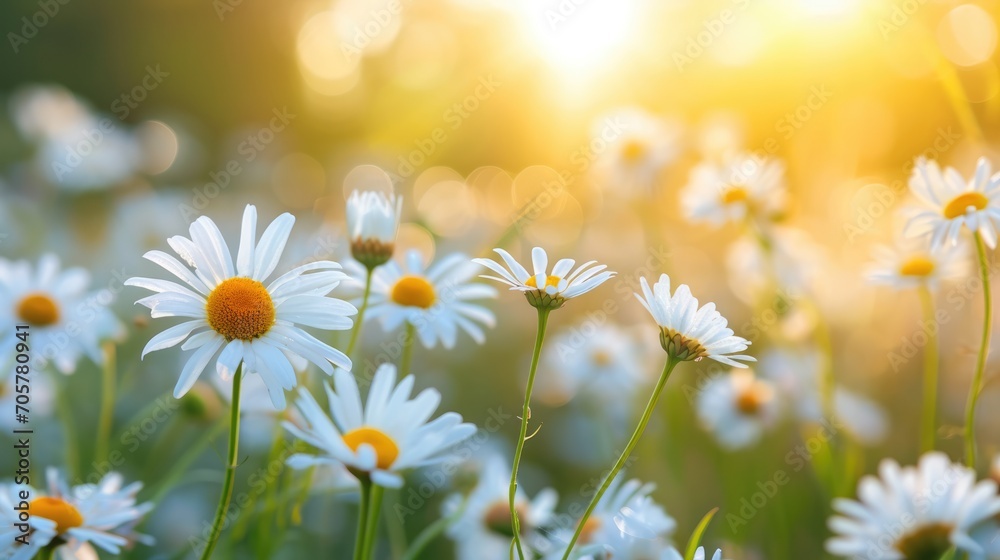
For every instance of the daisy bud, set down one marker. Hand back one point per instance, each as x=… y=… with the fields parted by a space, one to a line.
x=201 y=403
x=372 y=223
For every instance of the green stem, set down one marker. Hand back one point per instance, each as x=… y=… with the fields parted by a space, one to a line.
x=356 y=331
x=47 y=553
x=359 y=540
x=433 y=531
x=371 y=531
x=543 y=319
x=407 y=357
x=108 y=380
x=931 y=352
x=231 y=464
x=984 y=348
x=66 y=417
x=639 y=429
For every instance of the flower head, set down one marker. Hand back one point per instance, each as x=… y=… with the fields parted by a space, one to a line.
x=688 y=332
x=381 y=439
x=911 y=263
x=737 y=407
x=643 y=146
x=546 y=290
x=743 y=186
x=948 y=202
x=229 y=308
x=372 y=223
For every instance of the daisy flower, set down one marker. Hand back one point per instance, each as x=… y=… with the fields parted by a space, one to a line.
x=372 y=223
x=545 y=290
x=916 y=512
x=737 y=408
x=640 y=147
x=742 y=186
x=911 y=263
x=699 y=554
x=67 y=322
x=483 y=528
x=381 y=439
x=437 y=300
x=689 y=332
x=948 y=202
x=229 y=308
x=72 y=519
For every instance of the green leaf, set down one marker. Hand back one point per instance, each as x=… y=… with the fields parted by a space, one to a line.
x=698 y=532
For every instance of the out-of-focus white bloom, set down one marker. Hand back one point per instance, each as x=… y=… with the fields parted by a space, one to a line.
x=44 y=112
x=638 y=146
x=741 y=187
x=483 y=530
x=65 y=321
x=545 y=290
x=372 y=223
x=789 y=265
x=948 y=202
x=911 y=263
x=737 y=408
x=720 y=135
x=916 y=512
x=699 y=554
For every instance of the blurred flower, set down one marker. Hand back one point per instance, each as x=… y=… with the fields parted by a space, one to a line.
x=483 y=529
x=435 y=300
x=640 y=147
x=372 y=222
x=737 y=408
x=789 y=263
x=233 y=311
x=43 y=112
x=66 y=322
x=916 y=512
x=388 y=435
x=543 y=290
x=688 y=332
x=73 y=519
x=948 y=202
x=743 y=186
x=699 y=554
x=911 y=263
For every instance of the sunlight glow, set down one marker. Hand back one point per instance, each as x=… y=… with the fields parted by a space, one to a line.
x=576 y=35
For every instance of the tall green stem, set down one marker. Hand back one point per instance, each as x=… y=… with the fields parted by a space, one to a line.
x=231 y=464
x=639 y=429
x=371 y=525
x=984 y=349
x=356 y=331
x=68 y=421
x=108 y=380
x=931 y=368
x=407 y=357
x=543 y=319
x=359 y=540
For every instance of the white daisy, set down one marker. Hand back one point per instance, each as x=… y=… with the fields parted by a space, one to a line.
x=65 y=321
x=791 y=264
x=737 y=408
x=911 y=263
x=545 y=290
x=229 y=308
x=388 y=435
x=948 y=202
x=483 y=530
x=688 y=332
x=914 y=513
x=638 y=147
x=72 y=519
x=436 y=300
x=741 y=187
x=372 y=223
x=699 y=554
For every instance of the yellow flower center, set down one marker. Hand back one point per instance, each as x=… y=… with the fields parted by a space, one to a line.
x=752 y=399
x=590 y=529
x=497 y=518
x=386 y=450
x=413 y=291
x=733 y=194
x=62 y=512
x=633 y=150
x=926 y=543
x=918 y=265
x=958 y=205
x=240 y=308
x=601 y=358
x=38 y=309
x=549 y=281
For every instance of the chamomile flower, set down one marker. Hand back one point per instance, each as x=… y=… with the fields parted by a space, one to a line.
x=73 y=519
x=546 y=290
x=438 y=301
x=483 y=530
x=743 y=186
x=948 y=202
x=911 y=263
x=372 y=223
x=381 y=439
x=65 y=321
x=917 y=512
x=641 y=146
x=737 y=408
x=228 y=307
x=689 y=332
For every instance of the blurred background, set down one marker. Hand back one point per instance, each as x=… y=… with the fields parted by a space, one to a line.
x=571 y=124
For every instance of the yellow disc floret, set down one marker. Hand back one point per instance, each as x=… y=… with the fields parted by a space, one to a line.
x=552 y=281
x=240 y=309
x=38 y=309
x=633 y=150
x=732 y=195
x=917 y=265
x=413 y=291
x=62 y=512
x=961 y=203
x=386 y=449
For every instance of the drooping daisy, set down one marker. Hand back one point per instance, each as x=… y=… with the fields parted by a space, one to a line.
x=639 y=146
x=742 y=186
x=229 y=308
x=948 y=202
x=73 y=519
x=545 y=290
x=737 y=408
x=437 y=300
x=689 y=332
x=483 y=529
x=914 y=513
x=65 y=321
x=911 y=263
x=372 y=223
x=381 y=439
